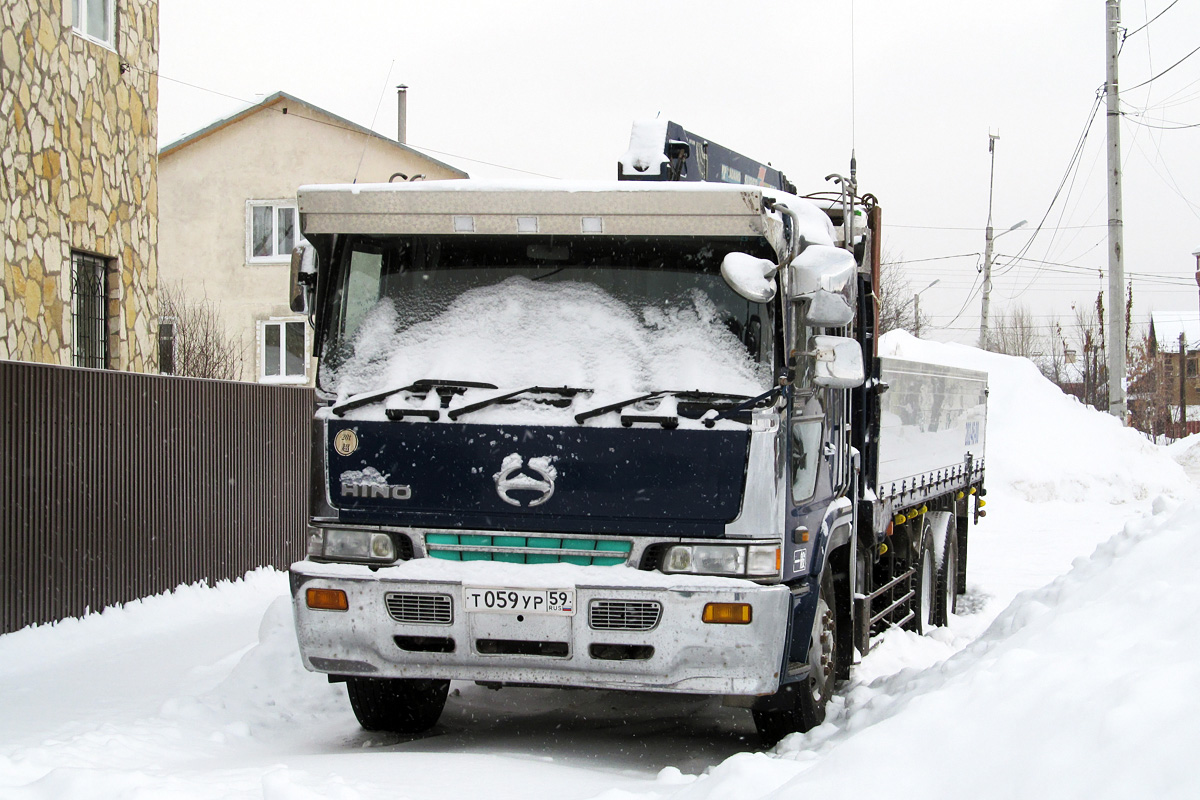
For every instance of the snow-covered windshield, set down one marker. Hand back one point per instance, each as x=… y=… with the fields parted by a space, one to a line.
x=612 y=315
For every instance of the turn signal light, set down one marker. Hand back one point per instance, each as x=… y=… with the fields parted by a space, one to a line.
x=727 y=613
x=327 y=599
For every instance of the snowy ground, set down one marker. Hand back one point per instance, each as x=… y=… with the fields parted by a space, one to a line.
x=1072 y=671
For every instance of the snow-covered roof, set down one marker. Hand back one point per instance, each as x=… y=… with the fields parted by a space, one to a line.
x=1167 y=325
x=556 y=207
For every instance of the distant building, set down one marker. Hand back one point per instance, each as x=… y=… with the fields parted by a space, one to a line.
x=1160 y=393
x=228 y=217
x=78 y=128
x=1165 y=330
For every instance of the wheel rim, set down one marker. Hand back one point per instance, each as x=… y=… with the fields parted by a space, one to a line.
x=951 y=579
x=928 y=585
x=821 y=653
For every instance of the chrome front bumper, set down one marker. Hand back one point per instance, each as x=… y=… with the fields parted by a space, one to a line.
x=439 y=638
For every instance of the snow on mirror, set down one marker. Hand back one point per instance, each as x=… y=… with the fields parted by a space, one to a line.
x=824 y=276
x=752 y=278
x=837 y=362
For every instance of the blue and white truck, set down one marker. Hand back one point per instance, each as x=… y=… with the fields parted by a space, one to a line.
x=632 y=435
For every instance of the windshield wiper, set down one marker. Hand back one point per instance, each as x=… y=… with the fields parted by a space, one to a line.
x=685 y=396
x=561 y=391
x=744 y=406
x=445 y=390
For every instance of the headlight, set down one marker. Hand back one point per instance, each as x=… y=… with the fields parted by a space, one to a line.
x=351 y=544
x=754 y=561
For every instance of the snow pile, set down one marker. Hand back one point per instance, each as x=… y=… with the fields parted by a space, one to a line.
x=1084 y=688
x=647 y=145
x=521 y=332
x=1186 y=452
x=1047 y=445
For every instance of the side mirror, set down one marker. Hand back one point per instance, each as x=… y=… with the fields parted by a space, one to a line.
x=837 y=362
x=303 y=276
x=752 y=278
x=824 y=276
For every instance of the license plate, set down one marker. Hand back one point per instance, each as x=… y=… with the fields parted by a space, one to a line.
x=519 y=601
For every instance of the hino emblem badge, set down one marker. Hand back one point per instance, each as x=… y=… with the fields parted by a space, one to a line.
x=510 y=478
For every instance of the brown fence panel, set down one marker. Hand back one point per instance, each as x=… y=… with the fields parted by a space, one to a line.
x=116 y=485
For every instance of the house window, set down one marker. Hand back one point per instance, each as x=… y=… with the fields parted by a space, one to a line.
x=93 y=19
x=166 y=345
x=270 y=231
x=1191 y=367
x=89 y=309
x=282 y=351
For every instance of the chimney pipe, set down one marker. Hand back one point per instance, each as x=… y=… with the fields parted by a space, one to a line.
x=402 y=114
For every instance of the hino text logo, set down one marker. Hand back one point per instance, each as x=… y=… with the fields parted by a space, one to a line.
x=510 y=478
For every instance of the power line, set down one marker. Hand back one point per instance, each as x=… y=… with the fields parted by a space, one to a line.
x=332 y=124
x=1164 y=72
x=933 y=258
x=1071 y=165
x=1147 y=25
x=1172 y=127
x=975 y=229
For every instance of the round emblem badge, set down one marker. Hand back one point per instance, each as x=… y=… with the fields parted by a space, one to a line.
x=345 y=442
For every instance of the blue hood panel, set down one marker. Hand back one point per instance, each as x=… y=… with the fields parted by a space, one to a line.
x=508 y=477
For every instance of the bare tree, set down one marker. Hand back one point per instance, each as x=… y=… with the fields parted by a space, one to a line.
x=193 y=340
x=1089 y=333
x=1016 y=334
x=896 y=304
x=1150 y=395
x=1052 y=361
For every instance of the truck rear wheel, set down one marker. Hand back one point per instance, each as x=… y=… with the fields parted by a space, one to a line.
x=400 y=705
x=800 y=707
x=947 y=582
x=924 y=602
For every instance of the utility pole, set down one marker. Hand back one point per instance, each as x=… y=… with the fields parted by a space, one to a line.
x=987 y=249
x=1183 y=431
x=1197 y=255
x=1116 y=267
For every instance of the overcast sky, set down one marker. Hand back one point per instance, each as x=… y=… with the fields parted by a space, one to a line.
x=914 y=87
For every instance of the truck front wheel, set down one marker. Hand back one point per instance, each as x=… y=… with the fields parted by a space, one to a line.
x=800 y=707
x=400 y=705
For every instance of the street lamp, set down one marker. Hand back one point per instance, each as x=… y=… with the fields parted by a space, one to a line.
x=917 y=305
x=987 y=279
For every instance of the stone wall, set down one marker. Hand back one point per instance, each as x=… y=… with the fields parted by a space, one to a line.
x=78 y=127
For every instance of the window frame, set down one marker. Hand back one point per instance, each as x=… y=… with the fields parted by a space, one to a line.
x=95 y=318
x=167 y=328
x=283 y=377
x=275 y=206
x=79 y=22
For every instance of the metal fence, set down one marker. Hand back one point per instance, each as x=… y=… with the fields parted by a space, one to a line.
x=115 y=486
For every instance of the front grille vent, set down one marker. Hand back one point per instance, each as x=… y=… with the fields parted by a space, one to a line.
x=624 y=615
x=420 y=609
x=547 y=549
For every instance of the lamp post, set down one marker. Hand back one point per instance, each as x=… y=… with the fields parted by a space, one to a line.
x=917 y=306
x=987 y=278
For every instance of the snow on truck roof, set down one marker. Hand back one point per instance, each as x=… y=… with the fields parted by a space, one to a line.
x=555 y=207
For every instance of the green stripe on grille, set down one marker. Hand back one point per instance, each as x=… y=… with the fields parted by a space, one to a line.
x=445 y=545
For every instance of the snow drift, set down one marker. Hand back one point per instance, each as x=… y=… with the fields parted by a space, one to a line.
x=1082 y=686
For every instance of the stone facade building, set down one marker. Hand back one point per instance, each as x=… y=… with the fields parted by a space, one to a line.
x=78 y=128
